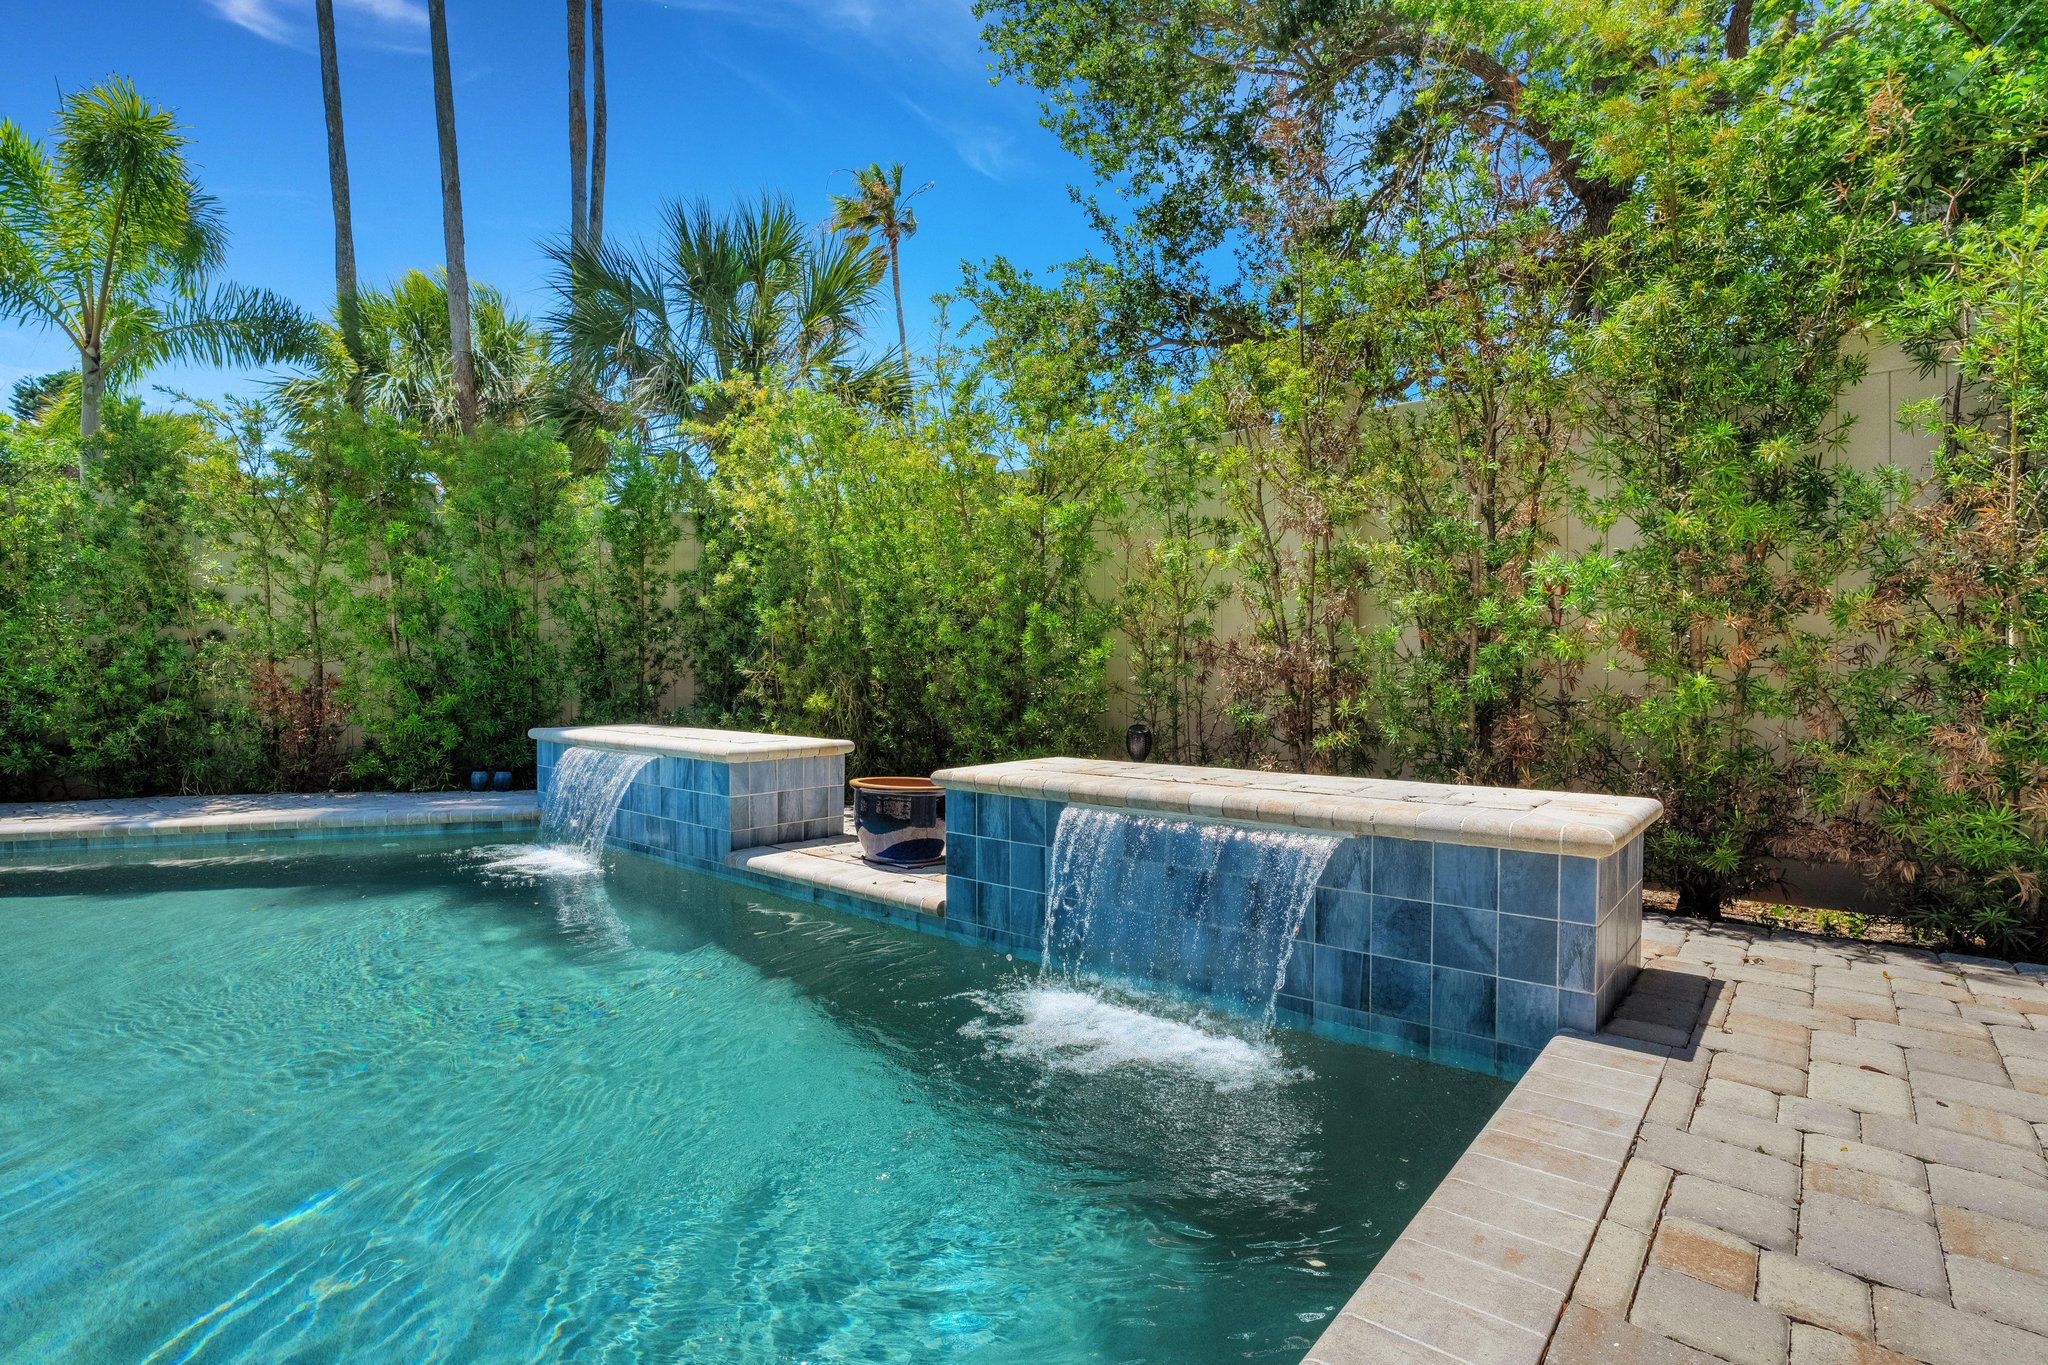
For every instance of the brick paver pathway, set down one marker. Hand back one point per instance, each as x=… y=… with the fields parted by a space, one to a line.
x=1842 y=1162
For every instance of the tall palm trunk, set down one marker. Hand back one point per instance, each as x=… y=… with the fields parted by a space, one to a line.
x=896 y=287
x=597 y=121
x=464 y=363
x=337 y=180
x=92 y=388
x=579 y=150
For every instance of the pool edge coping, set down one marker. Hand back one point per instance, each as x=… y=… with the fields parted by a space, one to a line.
x=156 y=822
x=1465 y=1280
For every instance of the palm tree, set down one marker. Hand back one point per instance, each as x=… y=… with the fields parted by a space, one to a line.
x=462 y=364
x=597 y=121
x=586 y=151
x=337 y=168
x=110 y=241
x=878 y=206
x=749 y=292
x=579 y=150
x=402 y=363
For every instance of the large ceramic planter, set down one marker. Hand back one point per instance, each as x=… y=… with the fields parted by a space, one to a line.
x=901 y=821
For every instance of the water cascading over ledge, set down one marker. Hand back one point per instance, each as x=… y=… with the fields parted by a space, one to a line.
x=588 y=786
x=1210 y=909
x=1468 y=923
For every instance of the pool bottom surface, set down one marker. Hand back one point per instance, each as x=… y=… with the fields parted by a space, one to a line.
x=426 y=1102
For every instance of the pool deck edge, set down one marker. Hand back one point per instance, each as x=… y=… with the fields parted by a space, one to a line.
x=1484 y=1269
x=144 y=822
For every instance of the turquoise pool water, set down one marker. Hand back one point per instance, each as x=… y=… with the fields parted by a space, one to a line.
x=399 y=1104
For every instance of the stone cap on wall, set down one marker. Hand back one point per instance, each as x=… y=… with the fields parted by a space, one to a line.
x=682 y=741
x=1585 y=824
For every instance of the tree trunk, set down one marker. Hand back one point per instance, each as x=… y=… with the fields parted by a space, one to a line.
x=91 y=389
x=579 y=150
x=462 y=362
x=597 y=122
x=896 y=286
x=337 y=180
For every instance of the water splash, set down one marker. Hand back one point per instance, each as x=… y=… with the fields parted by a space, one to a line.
x=589 y=784
x=1196 y=905
x=1088 y=1033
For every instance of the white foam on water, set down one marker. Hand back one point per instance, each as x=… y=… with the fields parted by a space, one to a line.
x=535 y=862
x=1078 y=1031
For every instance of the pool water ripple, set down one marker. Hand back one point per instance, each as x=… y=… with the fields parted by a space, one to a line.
x=392 y=1104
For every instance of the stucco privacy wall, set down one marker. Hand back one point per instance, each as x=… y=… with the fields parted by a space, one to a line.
x=1467 y=923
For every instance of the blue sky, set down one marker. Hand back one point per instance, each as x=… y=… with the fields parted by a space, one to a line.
x=708 y=97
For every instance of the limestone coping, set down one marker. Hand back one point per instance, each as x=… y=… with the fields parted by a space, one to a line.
x=1585 y=824
x=163 y=817
x=682 y=741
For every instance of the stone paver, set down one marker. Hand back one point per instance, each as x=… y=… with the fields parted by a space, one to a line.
x=1866 y=1122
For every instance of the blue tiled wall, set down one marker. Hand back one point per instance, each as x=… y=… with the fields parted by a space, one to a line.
x=694 y=811
x=1473 y=955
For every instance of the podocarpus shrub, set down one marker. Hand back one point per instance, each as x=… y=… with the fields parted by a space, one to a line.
x=896 y=587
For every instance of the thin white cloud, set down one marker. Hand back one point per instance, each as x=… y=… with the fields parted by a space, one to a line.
x=285 y=21
x=987 y=149
x=942 y=30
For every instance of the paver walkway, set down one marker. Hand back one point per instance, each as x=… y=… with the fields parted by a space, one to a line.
x=1842 y=1162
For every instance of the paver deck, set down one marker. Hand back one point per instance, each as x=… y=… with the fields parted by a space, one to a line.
x=1838 y=1162
x=155 y=820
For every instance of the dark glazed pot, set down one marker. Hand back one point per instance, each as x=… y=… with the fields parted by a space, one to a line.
x=1138 y=742
x=901 y=821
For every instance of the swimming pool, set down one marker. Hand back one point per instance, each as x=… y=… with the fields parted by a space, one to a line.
x=435 y=1101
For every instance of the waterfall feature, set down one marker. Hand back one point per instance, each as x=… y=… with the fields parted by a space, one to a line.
x=588 y=787
x=1211 y=908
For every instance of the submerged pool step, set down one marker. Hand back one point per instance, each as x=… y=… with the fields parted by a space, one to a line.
x=836 y=865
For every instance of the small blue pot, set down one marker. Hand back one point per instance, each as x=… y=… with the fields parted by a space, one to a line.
x=478 y=780
x=501 y=782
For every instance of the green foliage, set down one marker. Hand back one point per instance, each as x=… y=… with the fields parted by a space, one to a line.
x=1937 y=780
x=898 y=587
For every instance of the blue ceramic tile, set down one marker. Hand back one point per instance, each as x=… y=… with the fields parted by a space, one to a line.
x=1465 y=939
x=1341 y=978
x=1467 y=876
x=992 y=820
x=715 y=778
x=1027 y=866
x=1526 y=1014
x=1463 y=1050
x=1528 y=883
x=1528 y=949
x=1399 y=989
x=960 y=813
x=961 y=857
x=1578 y=1010
x=1399 y=929
x=963 y=897
x=1632 y=863
x=1610 y=881
x=1027 y=915
x=1575 y=957
x=1350 y=866
x=1515 y=1060
x=1401 y=867
x=750 y=779
x=1578 y=890
x=1300 y=976
x=1297 y=1006
x=1344 y=920
x=1462 y=1002
x=1411 y=1032
x=992 y=859
x=1053 y=811
x=1027 y=821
